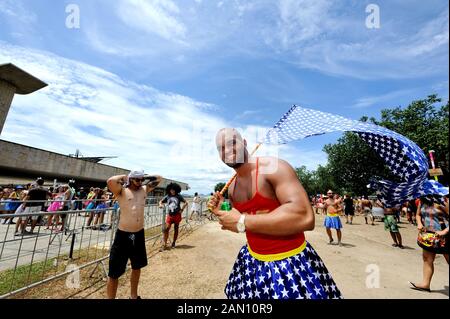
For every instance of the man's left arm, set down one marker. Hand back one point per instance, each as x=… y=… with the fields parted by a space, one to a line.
x=185 y=203
x=154 y=181
x=293 y=216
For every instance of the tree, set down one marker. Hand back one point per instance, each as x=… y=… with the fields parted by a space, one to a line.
x=351 y=163
x=219 y=187
x=424 y=123
x=325 y=180
x=308 y=180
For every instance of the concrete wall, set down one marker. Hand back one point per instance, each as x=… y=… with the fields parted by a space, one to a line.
x=6 y=96
x=29 y=160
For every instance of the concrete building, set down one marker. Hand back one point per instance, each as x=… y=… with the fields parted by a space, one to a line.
x=21 y=164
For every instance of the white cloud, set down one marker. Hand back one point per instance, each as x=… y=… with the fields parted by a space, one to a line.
x=368 y=101
x=101 y=114
x=300 y=21
x=14 y=9
x=159 y=131
x=356 y=52
x=154 y=16
x=326 y=36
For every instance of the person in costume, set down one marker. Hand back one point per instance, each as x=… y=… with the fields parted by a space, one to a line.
x=173 y=199
x=432 y=219
x=272 y=208
x=333 y=207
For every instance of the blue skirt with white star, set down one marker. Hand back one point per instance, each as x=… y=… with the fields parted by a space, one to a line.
x=302 y=276
x=332 y=222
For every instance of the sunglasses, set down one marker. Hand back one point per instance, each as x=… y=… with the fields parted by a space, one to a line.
x=330 y=194
x=138 y=179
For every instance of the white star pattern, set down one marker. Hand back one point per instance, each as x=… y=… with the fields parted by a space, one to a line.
x=393 y=148
x=280 y=281
x=288 y=283
x=289 y=276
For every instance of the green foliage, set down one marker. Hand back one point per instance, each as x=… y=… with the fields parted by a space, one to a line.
x=424 y=123
x=351 y=163
x=219 y=187
x=316 y=182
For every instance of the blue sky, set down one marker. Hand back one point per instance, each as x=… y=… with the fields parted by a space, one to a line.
x=152 y=81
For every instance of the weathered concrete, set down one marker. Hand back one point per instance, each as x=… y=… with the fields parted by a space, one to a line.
x=14 y=80
x=7 y=92
x=24 y=82
x=37 y=162
x=33 y=160
x=19 y=161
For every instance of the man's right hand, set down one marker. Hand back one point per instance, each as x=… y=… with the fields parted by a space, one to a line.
x=215 y=202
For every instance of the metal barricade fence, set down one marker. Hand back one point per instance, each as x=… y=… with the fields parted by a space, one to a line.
x=29 y=259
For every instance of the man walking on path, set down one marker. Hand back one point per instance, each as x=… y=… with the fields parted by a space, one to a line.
x=333 y=221
x=349 y=209
x=366 y=206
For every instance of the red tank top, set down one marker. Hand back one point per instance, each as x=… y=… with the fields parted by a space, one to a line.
x=266 y=244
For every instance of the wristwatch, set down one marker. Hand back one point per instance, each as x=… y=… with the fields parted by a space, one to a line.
x=241 y=224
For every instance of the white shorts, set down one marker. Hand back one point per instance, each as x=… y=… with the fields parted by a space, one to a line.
x=195 y=207
x=367 y=211
x=31 y=210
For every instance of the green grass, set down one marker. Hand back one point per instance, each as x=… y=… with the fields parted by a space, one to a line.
x=10 y=281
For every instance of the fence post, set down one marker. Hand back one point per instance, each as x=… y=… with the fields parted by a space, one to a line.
x=71 y=245
x=163 y=223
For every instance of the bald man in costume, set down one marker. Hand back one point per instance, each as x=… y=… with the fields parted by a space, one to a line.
x=274 y=211
x=129 y=242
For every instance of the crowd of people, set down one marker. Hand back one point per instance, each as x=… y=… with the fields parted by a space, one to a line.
x=34 y=197
x=21 y=201
x=430 y=214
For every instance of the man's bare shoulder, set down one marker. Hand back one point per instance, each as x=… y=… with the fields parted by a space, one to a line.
x=274 y=164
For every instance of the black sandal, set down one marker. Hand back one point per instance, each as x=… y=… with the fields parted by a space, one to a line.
x=419 y=288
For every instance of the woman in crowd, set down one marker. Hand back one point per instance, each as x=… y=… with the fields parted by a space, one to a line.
x=432 y=223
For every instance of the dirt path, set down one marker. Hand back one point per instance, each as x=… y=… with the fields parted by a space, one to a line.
x=200 y=265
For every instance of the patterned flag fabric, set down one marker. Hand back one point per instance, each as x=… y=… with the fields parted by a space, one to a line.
x=404 y=158
x=302 y=276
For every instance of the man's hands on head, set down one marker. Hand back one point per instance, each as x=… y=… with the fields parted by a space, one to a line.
x=115 y=183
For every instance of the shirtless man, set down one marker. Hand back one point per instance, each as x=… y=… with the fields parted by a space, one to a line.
x=366 y=206
x=390 y=224
x=129 y=242
x=333 y=207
